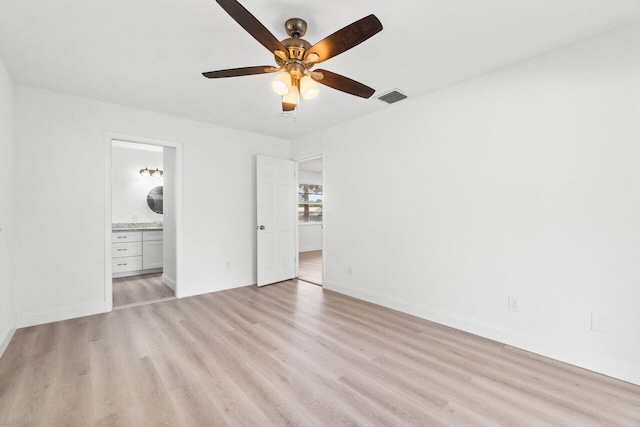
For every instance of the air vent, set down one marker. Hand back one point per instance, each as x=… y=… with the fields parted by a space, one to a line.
x=392 y=96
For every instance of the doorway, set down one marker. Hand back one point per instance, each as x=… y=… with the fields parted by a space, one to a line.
x=310 y=220
x=141 y=222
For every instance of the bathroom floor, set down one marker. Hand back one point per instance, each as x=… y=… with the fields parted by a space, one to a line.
x=135 y=290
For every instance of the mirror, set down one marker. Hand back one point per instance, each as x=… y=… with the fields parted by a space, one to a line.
x=154 y=199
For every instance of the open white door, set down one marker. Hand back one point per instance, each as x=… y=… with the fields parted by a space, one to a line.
x=276 y=220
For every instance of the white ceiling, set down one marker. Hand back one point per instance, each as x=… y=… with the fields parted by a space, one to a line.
x=150 y=53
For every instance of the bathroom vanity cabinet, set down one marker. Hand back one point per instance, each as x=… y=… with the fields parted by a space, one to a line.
x=136 y=252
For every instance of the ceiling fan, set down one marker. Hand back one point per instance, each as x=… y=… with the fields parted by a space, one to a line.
x=296 y=57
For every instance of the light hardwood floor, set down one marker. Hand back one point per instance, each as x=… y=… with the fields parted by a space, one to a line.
x=310 y=267
x=289 y=354
x=139 y=289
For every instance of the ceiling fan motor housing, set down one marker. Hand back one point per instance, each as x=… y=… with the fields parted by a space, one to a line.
x=296 y=47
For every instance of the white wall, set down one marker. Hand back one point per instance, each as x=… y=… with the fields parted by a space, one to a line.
x=7 y=147
x=523 y=182
x=306 y=177
x=309 y=235
x=129 y=189
x=169 y=218
x=61 y=209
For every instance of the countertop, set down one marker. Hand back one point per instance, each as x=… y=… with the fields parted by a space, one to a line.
x=136 y=226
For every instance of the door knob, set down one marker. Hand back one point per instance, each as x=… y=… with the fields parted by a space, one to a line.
x=261 y=227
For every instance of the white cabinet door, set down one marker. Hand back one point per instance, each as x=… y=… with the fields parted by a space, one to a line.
x=276 y=220
x=152 y=255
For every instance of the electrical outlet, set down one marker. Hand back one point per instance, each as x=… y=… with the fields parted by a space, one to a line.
x=349 y=271
x=227 y=265
x=514 y=303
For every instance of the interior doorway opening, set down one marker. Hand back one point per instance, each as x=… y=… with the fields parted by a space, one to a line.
x=143 y=223
x=310 y=220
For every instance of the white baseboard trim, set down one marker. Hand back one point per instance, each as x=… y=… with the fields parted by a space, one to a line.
x=206 y=288
x=57 y=314
x=136 y=273
x=310 y=248
x=6 y=337
x=593 y=362
x=169 y=281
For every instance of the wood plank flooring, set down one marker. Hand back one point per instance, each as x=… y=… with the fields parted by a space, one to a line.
x=289 y=354
x=139 y=289
x=310 y=267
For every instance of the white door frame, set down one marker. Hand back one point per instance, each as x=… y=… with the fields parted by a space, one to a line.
x=109 y=137
x=311 y=156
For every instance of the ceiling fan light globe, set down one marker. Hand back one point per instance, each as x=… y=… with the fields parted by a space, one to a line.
x=308 y=88
x=280 y=88
x=292 y=97
x=281 y=84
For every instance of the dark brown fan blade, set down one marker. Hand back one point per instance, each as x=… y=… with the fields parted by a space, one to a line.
x=346 y=38
x=251 y=25
x=288 y=107
x=344 y=84
x=236 y=72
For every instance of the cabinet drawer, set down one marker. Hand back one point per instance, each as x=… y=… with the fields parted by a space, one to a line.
x=119 y=250
x=126 y=236
x=151 y=235
x=132 y=263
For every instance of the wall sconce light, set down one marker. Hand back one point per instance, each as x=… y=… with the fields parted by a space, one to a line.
x=149 y=172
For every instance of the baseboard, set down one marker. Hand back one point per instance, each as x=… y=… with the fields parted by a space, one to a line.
x=169 y=281
x=310 y=248
x=603 y=365
x=8 y=334
x=206 y=288
x=57 y=314
x=136 y=273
